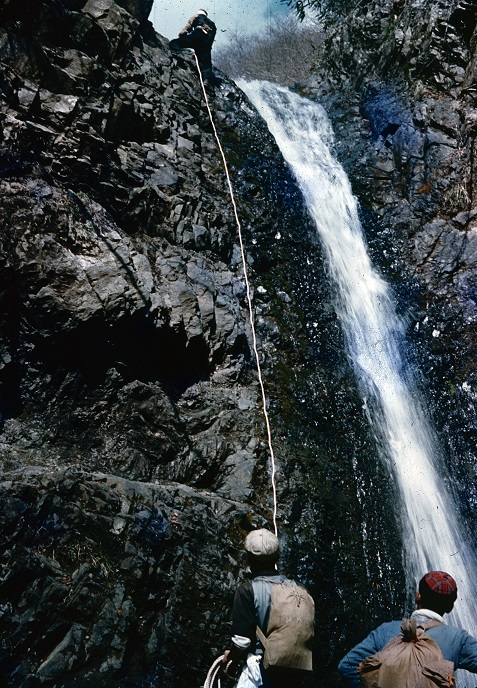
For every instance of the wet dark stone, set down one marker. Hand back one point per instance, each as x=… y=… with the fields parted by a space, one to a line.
x=394 y=78
x=132 y=441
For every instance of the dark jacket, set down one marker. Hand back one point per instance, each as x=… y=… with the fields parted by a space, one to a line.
x=245 y=615
x=202 y=28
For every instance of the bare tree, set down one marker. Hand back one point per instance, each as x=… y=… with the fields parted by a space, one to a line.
x=285 y=53
x=324 y=9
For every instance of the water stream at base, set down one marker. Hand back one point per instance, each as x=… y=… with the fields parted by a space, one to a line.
x=434 y=537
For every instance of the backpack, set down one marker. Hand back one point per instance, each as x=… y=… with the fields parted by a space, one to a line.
x=411 y=659
x=290 y=630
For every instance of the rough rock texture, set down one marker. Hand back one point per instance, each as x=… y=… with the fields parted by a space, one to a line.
x=132 y=442
x=399 y=81
x=133 y=450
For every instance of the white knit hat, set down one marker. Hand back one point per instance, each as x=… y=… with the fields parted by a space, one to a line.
x=262 y=544
x=202 y=12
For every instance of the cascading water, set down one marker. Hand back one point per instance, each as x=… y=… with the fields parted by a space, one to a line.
x=433 y=536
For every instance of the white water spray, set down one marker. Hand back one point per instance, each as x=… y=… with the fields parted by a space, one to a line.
x=433 y=537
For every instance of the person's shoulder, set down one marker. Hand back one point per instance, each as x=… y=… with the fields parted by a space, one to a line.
x=388 y=630
x=245 y=588
x=389 y=626
x=455 y=631
x=244 y=594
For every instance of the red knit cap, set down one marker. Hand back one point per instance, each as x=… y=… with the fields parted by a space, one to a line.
x=440 y=583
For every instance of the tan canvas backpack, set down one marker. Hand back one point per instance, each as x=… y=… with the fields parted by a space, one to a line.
x=290 y=630
x=410 y=660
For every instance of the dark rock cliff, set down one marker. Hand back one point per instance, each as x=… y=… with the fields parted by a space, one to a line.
x=132 y=442
x=398 y=79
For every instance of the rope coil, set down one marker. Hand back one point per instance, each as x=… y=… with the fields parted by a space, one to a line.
x=249 y=300
x=213 y=674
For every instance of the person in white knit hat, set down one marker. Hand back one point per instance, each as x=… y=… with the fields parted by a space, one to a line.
x=251 y=610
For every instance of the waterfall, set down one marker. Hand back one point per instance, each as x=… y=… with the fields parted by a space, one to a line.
x=434 y=537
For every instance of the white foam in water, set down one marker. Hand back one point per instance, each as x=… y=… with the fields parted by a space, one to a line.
x=434 y=537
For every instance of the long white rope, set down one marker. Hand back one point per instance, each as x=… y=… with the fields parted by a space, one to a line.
x=214 y=673
x=249 y=300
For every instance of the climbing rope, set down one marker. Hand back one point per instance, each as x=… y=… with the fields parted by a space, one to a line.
x=249 y=300
x=213 y=673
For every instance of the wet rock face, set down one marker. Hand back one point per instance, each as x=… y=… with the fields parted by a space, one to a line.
x=408 y=70
x=119 y=264
x=102 y=604
x=124 y=349
x=398 y=79
x=132 y=442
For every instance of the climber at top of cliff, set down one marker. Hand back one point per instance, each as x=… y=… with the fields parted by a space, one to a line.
x=199 y=34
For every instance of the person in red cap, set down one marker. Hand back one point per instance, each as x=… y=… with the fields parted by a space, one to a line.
x=436 y=596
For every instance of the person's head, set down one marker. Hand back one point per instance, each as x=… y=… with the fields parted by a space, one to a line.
x=262 y=549
x=202 y=12
x=437 y=591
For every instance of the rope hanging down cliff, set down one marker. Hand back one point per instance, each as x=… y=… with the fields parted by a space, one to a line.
x=249 y=300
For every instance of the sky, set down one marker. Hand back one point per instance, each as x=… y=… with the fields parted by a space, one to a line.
x=247 y=16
